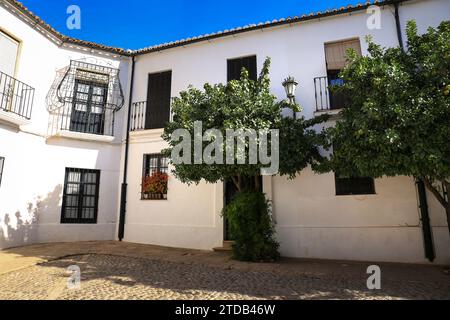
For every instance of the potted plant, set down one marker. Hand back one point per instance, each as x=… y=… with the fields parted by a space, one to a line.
x=155 y=186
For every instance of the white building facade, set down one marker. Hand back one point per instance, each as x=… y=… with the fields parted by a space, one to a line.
x=318 y=216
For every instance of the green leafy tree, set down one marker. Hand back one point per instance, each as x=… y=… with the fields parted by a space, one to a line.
x=241 y=104
x=398 y=118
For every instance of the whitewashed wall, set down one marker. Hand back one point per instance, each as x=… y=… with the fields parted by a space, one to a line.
x=312 y=221
x=33 y=176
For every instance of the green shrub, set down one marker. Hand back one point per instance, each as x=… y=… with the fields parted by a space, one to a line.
x=252 y=227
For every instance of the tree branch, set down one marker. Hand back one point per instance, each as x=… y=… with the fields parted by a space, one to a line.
x=236 y=183
x=435 y=192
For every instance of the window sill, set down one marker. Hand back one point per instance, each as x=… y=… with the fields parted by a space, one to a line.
x=83 y=136
x=356 y=195
x=12 y=118
x=154 y=197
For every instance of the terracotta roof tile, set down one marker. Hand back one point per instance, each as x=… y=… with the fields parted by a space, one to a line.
x=276 y=22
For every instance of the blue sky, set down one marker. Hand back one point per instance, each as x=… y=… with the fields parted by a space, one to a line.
x=133 y=24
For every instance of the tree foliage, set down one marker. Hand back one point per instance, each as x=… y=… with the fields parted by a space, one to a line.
x=398 y=120
x=241 y=104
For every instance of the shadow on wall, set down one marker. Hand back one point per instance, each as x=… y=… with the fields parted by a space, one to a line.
x=24 y=230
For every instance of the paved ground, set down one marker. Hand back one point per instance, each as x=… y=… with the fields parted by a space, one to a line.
x=112 y=270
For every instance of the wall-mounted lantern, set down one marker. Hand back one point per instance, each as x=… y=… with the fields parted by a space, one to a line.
x=290 y=85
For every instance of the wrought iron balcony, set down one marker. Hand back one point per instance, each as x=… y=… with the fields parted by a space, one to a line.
x=140 y=117
x=327 y=100
x=16 y=97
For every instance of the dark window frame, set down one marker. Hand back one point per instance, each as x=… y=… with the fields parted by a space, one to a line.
x=81 y=196
x=159 y=105
x=148 y=169
x=253 y=74
x=81 y=121
x=354 y=186
x=2 y=165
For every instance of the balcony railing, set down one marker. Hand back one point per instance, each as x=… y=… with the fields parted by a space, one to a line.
x=327 y=100
x=16 y=97
x=81 y=118
x=139 y=116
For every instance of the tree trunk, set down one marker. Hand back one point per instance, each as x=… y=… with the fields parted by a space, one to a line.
x=440 y=197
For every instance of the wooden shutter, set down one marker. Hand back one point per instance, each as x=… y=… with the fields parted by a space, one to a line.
x=158 y=100
x=235 y=68
x=336 y=53
x=9 y=48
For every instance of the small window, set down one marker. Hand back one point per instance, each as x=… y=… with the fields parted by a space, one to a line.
x=80 y=198
x=354 y=185
x=235 y=68
x=2 y=162
x=154 y=177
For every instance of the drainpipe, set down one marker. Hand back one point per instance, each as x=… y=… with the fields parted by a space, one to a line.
x=399 y=27
x=425 y=218
x=423 y=203
x=123 y=194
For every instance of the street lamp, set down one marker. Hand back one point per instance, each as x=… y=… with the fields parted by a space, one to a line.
x=290 y=85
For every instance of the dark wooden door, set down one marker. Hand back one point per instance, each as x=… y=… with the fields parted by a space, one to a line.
x=158 y=100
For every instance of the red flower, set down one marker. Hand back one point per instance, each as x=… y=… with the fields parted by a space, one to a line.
x=156 y=183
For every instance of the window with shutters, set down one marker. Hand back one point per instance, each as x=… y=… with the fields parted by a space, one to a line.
x=336 y=59
x=157 y=113
x=9 y=48
x=2 y=163
x=80 y=196
x=234 y=68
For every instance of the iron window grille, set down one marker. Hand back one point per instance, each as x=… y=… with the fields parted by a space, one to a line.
x=84 y=98
x=154 y=163
x=2 y=163
x=80 y=197
x=354 y=185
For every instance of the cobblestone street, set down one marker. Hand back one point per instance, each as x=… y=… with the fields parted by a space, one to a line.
x=105 y=276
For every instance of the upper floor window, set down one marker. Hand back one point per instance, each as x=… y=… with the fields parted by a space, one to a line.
x=2 y=163
x=9 y=48
x=88 y=112
x=84 y=98
x=157 y=112
x=336 y=60
x=234 y=68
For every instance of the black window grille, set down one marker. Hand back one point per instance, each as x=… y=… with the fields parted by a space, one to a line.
x=2 y=163
x=154 y=163
x=80 y=198
x=88 y=109
x=354 y=185
x=235 y=68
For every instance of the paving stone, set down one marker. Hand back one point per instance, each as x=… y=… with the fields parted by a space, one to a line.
x=108 y=277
